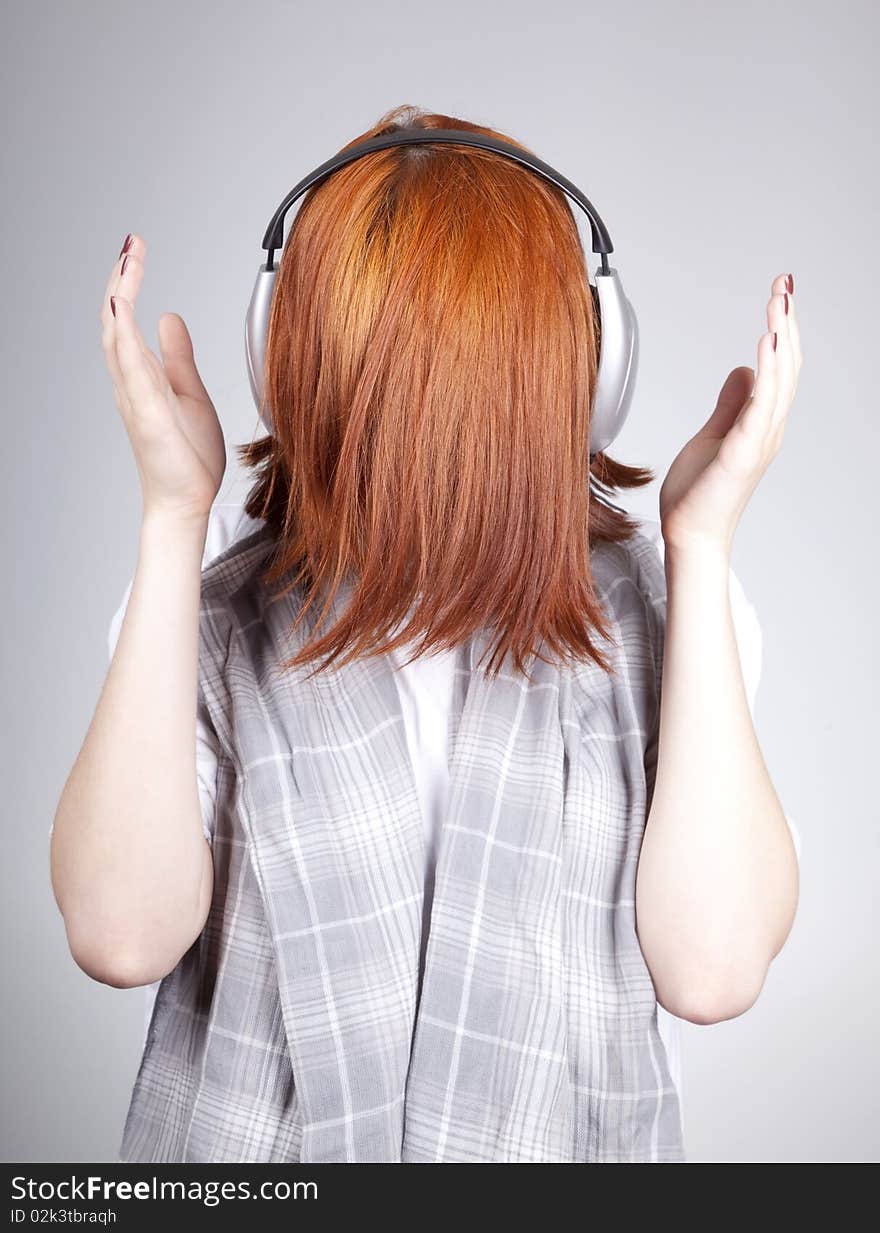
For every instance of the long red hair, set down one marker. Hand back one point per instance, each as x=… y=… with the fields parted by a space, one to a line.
x=430 y=364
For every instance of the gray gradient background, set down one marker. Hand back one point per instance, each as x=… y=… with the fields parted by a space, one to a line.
x=723 y=144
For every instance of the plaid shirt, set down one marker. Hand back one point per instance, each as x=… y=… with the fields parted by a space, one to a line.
x=296 y=1028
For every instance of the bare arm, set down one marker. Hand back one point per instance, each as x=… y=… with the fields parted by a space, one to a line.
x=718 y=879
x=717 y=884
x=131 y=870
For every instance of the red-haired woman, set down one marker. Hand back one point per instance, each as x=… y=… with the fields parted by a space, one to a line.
x=423 y=790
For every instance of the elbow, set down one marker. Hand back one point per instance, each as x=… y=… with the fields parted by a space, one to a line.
x=117 y=969
x=707 y=999
x=124 y=964
x=120 y=966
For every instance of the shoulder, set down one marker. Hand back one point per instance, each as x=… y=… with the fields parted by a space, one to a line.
x=637 y=559
x=630 y=579
x=641 y=559
x=236 y=548
x=235 y=544
x=227 y=524
x=747 y=627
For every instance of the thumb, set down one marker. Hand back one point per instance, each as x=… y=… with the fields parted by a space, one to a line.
x=177 y=357
x=733 y=395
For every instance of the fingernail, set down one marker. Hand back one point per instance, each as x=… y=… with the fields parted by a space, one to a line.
x=127 y=245
x=786 y=302
x=113 y=306
x=789 y=282
x=124 y=264
x=774 y=340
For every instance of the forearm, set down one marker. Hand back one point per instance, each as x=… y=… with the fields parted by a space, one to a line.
x=717 y=880
x=131 y=870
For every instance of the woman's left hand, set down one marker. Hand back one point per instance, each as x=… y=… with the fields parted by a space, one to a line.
x=710 y=481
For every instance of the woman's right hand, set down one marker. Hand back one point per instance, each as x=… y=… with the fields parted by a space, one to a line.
x=170 y=419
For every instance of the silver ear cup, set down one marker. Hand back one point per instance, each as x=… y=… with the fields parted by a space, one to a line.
x=618 y=361
x=256 y=332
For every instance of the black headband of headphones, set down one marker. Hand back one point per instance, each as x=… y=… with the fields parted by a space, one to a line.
x=274 y=237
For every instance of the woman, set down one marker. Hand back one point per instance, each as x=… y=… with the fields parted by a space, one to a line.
x=479 y=809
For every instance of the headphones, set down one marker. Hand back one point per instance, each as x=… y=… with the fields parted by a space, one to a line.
x=619 y=334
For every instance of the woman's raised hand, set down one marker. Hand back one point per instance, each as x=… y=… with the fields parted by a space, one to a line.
x=170 y=419
x=715 y=474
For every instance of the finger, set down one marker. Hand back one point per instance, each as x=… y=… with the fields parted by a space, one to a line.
x=731 y=399
x=131 y=257
x=137 y=247
x=128 y=284
x=783 y=283
x=111 y=359
x=109 y=339
x=130 y=277
x=778 y=314
x=793 y=329
x=779 y=285
x=177 y=356
x=141 y=389
x=757 y=415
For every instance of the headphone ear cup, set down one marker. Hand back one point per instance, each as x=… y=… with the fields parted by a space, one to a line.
x=618 y=362
x=597 y=313
x=256 y=330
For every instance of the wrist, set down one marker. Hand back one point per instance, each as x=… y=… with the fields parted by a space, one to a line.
x=166 y=531
x=684 y=543
x=175 y=521
x=705 y=561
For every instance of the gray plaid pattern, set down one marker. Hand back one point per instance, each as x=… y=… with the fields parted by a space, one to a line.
x=294 y=1028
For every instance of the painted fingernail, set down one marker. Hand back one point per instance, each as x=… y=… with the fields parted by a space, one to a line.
x=113 y=306
x=786 y=303
x=127 y=245
x=774 y=340
x=124 y=264
x=789 y=282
